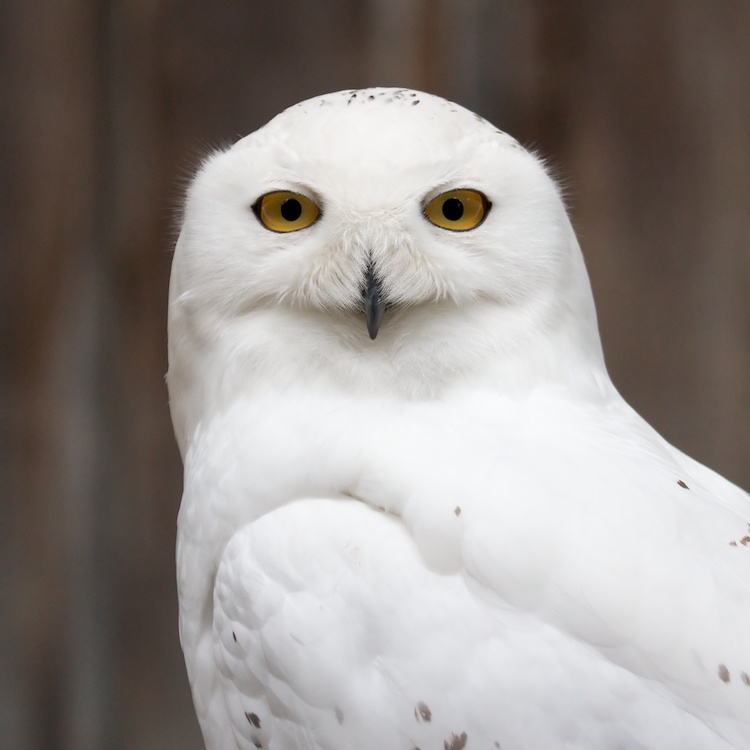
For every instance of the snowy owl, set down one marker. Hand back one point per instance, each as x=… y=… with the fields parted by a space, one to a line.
x=416 y=512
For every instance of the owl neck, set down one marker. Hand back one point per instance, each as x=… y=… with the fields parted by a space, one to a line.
x=421 y=353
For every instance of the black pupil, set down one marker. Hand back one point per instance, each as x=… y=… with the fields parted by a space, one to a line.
x=291 y=209
x=453 y=209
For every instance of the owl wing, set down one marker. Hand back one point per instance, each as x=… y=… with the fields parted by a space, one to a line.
x=328 y=631
x=331 y=632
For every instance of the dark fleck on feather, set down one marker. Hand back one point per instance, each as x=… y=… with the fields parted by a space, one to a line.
x=457 y=742
x=253 y=719
x=423 y=712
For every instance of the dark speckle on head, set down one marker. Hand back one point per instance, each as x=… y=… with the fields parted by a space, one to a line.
x=234 y=635
x=457 y=510
x=422 y=712
x=456 y=742
x=253 y=719
x=416 y=101
x=723 y=673
x=745 y=541
x=745 y=677
x=682 y=484
x=371 y=98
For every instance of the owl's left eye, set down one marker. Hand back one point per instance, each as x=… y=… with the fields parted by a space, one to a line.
x=284 y=211
x=458 y=210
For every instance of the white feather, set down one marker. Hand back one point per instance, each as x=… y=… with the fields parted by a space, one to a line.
x=458 y=534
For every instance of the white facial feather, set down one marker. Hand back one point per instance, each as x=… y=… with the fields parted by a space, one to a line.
x=371 y=161
x=372 y=167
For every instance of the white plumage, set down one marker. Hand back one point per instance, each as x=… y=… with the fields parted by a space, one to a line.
x=456 y=534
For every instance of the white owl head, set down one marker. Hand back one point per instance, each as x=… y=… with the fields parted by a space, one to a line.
x=377 y=212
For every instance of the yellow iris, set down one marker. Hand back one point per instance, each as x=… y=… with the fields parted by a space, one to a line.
x=284 y=211
x=458 y=210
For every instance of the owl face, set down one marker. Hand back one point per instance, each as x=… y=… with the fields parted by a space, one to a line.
x=364 y=204
x=378 y=241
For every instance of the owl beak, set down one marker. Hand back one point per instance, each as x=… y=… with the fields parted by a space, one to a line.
x=373 y=302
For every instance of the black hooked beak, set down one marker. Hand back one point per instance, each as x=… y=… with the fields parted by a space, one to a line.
x=373 y=302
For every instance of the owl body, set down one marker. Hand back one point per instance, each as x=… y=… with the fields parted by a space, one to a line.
x=454 y=534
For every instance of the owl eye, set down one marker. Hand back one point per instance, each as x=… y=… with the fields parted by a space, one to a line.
x=284 y=211
x=458 y=210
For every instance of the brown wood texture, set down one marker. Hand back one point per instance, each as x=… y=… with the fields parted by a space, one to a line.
x=643 y=110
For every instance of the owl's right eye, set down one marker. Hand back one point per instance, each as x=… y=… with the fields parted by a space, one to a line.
x=284 y=211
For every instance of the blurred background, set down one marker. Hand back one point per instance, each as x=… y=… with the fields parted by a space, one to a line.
x=642 y=109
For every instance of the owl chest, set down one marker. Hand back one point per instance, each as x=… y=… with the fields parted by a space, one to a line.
x=265 y=452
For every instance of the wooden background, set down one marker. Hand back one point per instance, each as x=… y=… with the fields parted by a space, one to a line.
x=642 y=108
